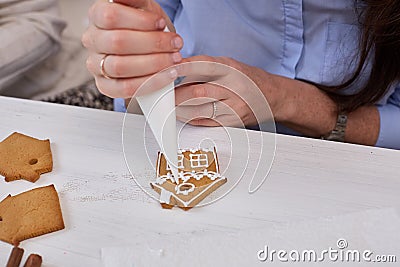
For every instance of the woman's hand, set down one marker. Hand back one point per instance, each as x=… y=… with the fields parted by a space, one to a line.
x=296 y=104
x=128 y=35
x=226 y=92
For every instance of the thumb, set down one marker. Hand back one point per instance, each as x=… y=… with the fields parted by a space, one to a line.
x=148 y=5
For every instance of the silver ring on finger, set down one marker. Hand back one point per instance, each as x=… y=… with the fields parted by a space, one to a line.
x=215 y=110
x=102 y=67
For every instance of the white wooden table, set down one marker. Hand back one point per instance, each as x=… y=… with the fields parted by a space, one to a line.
x=103 y=207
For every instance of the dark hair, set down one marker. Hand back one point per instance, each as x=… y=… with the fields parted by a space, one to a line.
x=380 y=42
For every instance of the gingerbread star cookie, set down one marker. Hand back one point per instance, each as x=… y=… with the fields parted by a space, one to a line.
x=24 y=157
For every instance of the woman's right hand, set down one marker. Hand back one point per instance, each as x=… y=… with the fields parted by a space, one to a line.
x=130 y=34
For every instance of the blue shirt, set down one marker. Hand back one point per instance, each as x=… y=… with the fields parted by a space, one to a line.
x=311 y=39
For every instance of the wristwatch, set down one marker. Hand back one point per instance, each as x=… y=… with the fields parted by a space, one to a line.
x=338 y=133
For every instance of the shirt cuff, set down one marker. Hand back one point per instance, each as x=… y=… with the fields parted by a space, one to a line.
x=389 y=134
x=119 y=105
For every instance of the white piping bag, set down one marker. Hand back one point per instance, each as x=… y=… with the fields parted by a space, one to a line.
x=158 y=108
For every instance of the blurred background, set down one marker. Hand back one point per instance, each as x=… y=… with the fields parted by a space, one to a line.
x=77 y=86
x=60 y=78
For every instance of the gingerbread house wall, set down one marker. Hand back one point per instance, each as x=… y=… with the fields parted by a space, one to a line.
x=162 y=166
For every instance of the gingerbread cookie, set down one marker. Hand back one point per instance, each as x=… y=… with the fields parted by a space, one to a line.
x=32 y=213
x=24 y=157
x=198 y=177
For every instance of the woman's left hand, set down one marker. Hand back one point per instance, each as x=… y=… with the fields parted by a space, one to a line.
x=226 y=92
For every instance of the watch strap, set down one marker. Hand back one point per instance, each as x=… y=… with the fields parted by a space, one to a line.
x=338 y=133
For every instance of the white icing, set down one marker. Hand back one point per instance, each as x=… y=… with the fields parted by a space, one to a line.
x=178 y=188
x=185 y=176
x=198 y=160
x=162 y=179
x=180 y=163
x=165 y=196
x=193 y=150
x=187 y=203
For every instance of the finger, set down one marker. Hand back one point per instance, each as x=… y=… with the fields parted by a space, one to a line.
x=119 y=88
x=127 y=42
x=187 y=113
x=133 y=87
x=199 y=122
x=204 y=122
x=204 y=111
x=148 y=5
x=131 y=65
x=134 y=3
x=199 y=94
x=203 y=67
x=224 y=121
x=110 y=16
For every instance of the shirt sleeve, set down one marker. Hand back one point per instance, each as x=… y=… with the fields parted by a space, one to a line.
x=30 y=31
x=170 y=7
x=389 y=135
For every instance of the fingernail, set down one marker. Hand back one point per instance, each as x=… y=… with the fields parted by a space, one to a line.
x=173 y=74
x=161 y=23
x=177 y=42
x=176 y=57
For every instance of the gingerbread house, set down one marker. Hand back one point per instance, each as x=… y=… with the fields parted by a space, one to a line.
x=198 y=176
